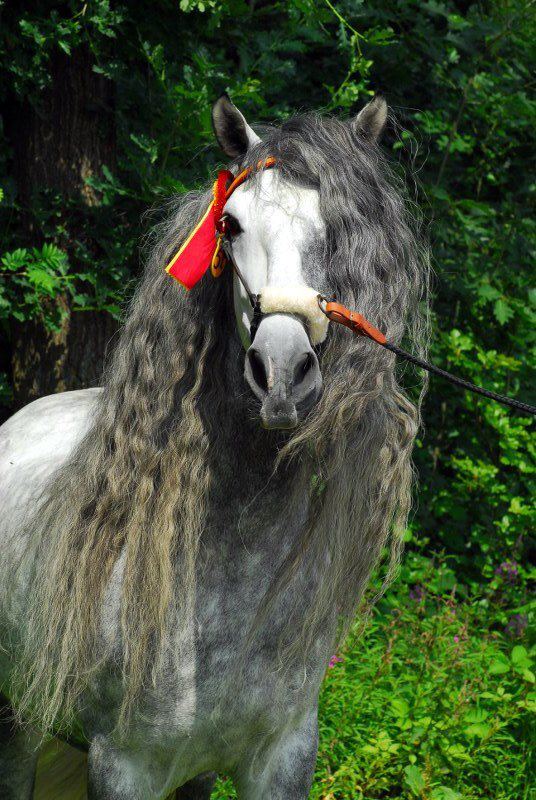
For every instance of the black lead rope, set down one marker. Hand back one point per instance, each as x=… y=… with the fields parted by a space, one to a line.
x=419 y=362
x=471 y=387
x=358 y=324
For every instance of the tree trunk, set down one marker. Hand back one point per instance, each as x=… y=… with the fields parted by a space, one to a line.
x=57 y=144
x=44 y=362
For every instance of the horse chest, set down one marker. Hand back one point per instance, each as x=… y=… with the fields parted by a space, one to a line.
x=223 y=687
x=238 y=646
x=228 y=688
x=219 y=707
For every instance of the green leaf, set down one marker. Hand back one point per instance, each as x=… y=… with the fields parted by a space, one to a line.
x=476 y=715
x=42 y=279
x=479 y=729
x=16 y=260
x=414 y=779
x=520 y=657
x=400 y=708
x=488 y=292
x=444 y=793
x=500 y=666
x=107 y=173
x=503 y=312
x=457 y=751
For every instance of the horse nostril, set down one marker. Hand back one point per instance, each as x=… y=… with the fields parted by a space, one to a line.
x=307 y=364
x=303 y=368
x=258 y=370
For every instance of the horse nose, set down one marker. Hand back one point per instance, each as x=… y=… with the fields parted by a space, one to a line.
x=283 y=371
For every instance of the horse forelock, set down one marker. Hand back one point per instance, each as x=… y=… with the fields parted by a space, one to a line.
x=174 y=391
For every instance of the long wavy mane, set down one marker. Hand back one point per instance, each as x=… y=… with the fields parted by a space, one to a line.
x=136 y=489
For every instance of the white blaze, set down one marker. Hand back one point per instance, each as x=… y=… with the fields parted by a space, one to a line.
x=278 y=221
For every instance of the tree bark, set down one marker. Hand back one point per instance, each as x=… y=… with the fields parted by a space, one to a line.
x=44 y=362
x=57 y=144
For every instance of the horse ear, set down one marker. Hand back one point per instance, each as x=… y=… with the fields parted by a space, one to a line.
x=234 y=135
x=371 y=120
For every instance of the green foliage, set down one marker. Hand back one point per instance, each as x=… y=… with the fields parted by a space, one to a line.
x=31 y=37
x=436 y=700
x=35 y=283
x=30 y=277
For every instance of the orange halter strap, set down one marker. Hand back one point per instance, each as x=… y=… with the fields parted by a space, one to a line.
x=221 y=194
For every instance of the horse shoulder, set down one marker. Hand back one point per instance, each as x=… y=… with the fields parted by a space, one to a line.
x=34 y=442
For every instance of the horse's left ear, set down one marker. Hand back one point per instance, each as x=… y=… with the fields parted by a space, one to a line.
x=371 y=120
x=234 y=135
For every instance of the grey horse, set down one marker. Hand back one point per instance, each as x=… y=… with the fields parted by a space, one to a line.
x=182 y=550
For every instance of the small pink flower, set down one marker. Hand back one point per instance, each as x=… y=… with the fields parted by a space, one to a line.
x=334 y=660
x=456 y=639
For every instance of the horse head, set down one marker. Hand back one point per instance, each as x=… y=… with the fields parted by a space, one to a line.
x=278 y=235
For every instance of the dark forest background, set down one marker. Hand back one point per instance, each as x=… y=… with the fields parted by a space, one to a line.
x=105 y=112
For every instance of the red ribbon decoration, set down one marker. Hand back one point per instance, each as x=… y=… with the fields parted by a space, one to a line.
x=196 y=254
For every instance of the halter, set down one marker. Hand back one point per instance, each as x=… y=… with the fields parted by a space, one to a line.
x=209 y=245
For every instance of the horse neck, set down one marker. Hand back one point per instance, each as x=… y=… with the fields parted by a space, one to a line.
x=243 y=466
x=244 y=481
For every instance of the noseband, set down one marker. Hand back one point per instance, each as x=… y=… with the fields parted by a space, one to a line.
x=301 y=301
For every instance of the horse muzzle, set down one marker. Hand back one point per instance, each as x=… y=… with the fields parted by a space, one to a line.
x=283 y=372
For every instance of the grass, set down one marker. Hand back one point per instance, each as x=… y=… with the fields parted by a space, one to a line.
x=435 y=700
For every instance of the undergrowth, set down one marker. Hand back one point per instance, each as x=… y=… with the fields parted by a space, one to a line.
x=436 y=699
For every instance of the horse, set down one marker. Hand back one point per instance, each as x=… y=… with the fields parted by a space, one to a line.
x=182 y=549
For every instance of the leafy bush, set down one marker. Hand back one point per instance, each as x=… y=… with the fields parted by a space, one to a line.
x=37 y=279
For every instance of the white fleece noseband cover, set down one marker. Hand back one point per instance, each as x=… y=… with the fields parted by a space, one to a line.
x=301 y=300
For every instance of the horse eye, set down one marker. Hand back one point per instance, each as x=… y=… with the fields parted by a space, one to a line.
x=232 y=225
